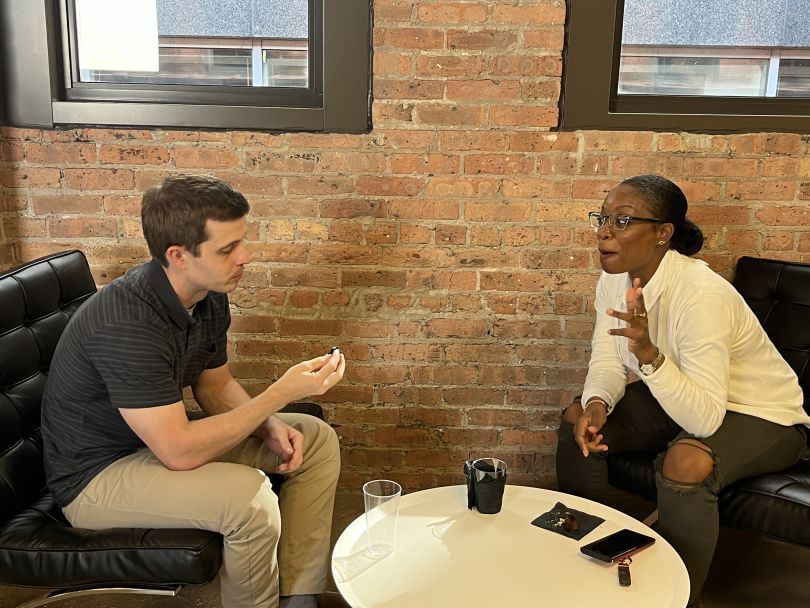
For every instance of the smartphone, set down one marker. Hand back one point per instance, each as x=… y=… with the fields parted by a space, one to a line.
x=616 y=545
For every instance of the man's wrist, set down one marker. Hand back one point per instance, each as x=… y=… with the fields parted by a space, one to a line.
x=648 y=356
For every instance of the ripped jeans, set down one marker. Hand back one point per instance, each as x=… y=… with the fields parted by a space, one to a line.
x=688 y=519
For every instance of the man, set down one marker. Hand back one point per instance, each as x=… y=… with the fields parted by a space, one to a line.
x=119 y=447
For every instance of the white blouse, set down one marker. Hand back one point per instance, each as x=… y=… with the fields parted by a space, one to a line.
x=718 y=357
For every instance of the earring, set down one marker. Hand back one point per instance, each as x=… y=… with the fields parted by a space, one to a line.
x=661 y=243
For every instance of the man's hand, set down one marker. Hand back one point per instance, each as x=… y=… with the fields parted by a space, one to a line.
x=586 y=430
x=313 y=377
x=285 y=442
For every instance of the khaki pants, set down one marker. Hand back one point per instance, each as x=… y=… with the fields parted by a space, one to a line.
x=233 y=496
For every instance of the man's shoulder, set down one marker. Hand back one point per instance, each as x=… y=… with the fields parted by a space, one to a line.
x=129 y=298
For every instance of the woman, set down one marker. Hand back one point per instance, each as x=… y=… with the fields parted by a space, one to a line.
x=711 y=392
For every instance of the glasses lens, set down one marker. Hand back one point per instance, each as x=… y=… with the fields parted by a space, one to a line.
x=619 y=222
x=597 y=219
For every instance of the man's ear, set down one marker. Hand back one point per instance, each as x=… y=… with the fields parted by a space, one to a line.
x=176 y=256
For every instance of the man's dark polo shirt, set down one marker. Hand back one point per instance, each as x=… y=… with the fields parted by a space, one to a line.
x=131 y=345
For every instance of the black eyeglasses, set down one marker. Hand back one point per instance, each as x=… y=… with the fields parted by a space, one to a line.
x=618 y=221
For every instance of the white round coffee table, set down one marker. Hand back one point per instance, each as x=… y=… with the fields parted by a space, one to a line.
x=446 y=555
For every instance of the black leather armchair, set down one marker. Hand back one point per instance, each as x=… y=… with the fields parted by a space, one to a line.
x=778 y=504
x=38 y=547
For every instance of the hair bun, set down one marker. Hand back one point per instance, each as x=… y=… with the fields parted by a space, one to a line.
x=688 y=238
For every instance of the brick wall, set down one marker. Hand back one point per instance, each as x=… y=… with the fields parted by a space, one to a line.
x=446 y=251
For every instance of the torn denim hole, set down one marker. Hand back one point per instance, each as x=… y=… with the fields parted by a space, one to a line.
x=684 y=489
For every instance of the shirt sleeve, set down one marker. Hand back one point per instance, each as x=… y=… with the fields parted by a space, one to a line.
x=607 y=375
x=137 y=364
x=222 y=314
x=693 y=390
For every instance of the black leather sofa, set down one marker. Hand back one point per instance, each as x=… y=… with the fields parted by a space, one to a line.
x=38 y=548
x=775 y=505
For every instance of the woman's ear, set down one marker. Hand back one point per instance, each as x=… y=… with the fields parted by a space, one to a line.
x=665 y=232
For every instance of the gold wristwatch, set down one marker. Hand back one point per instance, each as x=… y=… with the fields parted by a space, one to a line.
x=649 y=368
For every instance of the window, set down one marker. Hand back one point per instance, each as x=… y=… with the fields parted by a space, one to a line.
x=708 y=65
x=277 y=65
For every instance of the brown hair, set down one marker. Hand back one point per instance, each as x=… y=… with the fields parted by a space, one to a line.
x=176 y=211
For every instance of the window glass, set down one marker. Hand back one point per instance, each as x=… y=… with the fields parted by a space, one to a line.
x=794 y=78
x=199 y=51
x=684 y=75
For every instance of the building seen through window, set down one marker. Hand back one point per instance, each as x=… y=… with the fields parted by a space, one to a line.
x=745 y=48
x=256 y=43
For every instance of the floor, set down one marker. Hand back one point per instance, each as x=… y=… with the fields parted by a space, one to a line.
x=748 y=572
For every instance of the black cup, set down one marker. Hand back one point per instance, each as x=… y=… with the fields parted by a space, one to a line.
x=486 y=478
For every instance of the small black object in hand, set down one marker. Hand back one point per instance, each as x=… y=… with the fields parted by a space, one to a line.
x=333 y=349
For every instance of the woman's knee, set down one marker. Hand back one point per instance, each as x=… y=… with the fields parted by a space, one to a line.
x=687 y=461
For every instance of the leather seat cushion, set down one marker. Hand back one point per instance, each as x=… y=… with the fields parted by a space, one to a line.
x=776 y=505
x=38 y=547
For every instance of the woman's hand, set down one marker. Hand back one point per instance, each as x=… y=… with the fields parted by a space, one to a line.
x=637 y=330
x=586 y=430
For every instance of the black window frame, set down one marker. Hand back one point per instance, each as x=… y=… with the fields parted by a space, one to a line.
x=589 y=99
x=37 y=70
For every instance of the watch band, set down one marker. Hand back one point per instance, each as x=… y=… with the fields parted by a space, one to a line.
x=650 y=368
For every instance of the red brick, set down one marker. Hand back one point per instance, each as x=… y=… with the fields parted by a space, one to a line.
x=394 y=64
x=449 y=114
x=497 y=164
x=409 y=38
x=482 y=90
x=530 y=187
x=720 y=167
x=761 y=190
x=23 y=227
x=67 y=204
x=481 y=40
x=514 y=281
x=456 y=328
x=323 y=186
x=99 y=179
x=423 y=209
x=539 y=14
x=463 y=186
x=523 y=116
x=281 y=162
x=332 y=253
x=546 y=90
x=457 y=279
x=311 y=277
x=372 y=278
x=444 y=66
x=408 y=89
x=350 y=162
x=409 y=257
x=785 y=216
x=29 y=177
x=82 y=227
x=473 y=140
x=624 y=141
x=497 y=212
x=719 y=215
x=425 y=163
x=60 y=154
x=207 y=157
x=132 y=154
x=534 y=141
x=778 y=241
x=389 y=185
x=550 y=39
x=452 y=12
x=527 y=66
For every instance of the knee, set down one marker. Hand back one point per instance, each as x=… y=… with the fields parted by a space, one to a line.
x=687 y=461
x=252 y=506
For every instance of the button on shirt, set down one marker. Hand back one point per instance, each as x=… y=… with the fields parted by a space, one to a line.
x=132 y=345
x=718 y=357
